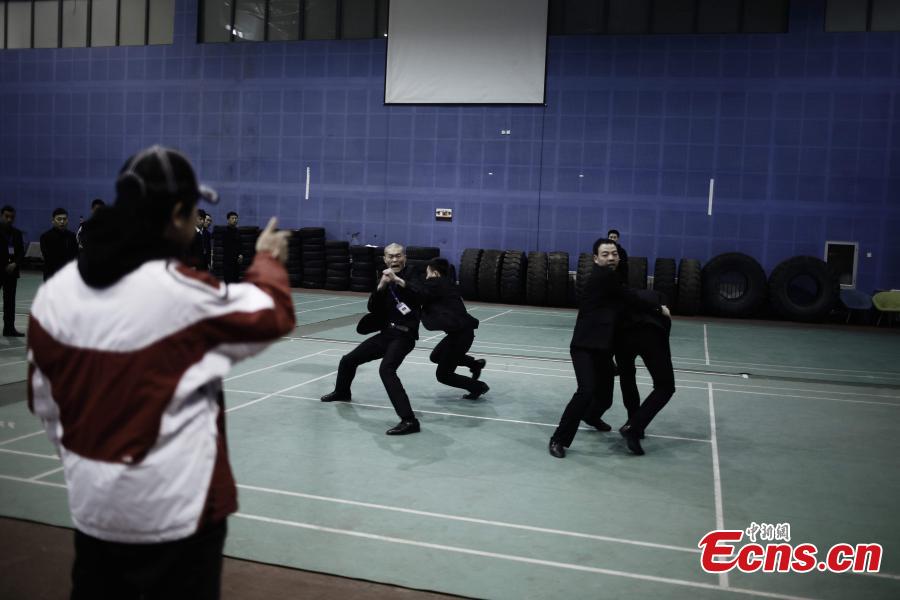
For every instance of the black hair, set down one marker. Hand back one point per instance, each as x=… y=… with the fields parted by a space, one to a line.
x=7 y=208
x=230 y=212
x=121 y=238
x=600 y=242
x=615 y=231
x=60 y=211
x=441 y=265
x=201 y=213
x=97 y=202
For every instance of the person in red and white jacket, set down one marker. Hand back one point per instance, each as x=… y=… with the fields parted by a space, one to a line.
x=127 y=350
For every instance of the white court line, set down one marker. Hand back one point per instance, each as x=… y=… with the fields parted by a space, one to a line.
x=314 y=301
x=287 y=362
x=495 y=316
x=437 y=335
x=449 y=517
x=42 y=475
x=462 y=415
x=514 y=558
x=469 y=551
x=705 y=344
x=22 y=347
x=32 y=454
x=717 y=477
x=298 y=312
x=18 y=362
x=21 y=437
x=842 y=400
x=276 y=393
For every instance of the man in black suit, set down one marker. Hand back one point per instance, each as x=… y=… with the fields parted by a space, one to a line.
x=591 y=347
x=232 y=250
x=9 y=277
x=58 y=244
x=206 y=232
x=394 y=310
x=443 y=310
x=646 y=335
x=197 y=255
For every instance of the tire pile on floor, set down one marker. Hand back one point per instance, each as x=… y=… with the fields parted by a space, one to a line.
x=312 y=251
x=337 y=265
x=733 y=284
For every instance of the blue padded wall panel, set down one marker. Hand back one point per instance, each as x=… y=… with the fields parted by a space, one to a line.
x=800 y=132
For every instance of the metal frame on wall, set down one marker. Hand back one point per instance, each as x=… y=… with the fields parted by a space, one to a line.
x=4 y=6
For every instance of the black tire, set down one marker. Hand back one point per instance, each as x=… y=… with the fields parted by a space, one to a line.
x=468 y=273
x=733 y=285
x=312 y=232
x=585 y=266
x=422 y=252
x=338 y=267
x=512 y=277
x=688 y=302
x=361 y=251
x=536 y=279
x=489 y=275
x=558 y=278
x=637 y=272
x=313 y=272
x=337 y=245
x=356 y=287
x=664 y=279
x=804 y=288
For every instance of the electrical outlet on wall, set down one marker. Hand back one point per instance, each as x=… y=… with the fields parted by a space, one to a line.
x=443 y=214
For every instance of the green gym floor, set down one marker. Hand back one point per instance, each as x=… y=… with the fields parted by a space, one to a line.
x=771 y=423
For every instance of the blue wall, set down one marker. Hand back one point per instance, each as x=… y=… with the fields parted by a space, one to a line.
x=801 y=132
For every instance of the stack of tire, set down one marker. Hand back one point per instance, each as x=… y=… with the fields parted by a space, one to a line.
x=337 y=265
x=468 y=273
x=547 y=279
x=734 y=285
x=248 y=236
x=312 y=248
x=688 y=292
x=294 y=262
x=513 y=272
x=582 y=274
x=489 y=269
x=362 y=269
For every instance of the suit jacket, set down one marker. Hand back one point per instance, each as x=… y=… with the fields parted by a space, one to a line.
x=383 y=309
x=57 y=248
x=633 y=317
x=231 y=248
x=443 y=308
x=622 y=269
x=196 y=256
x=12 y=238
x=207 y=246
x=603 y=300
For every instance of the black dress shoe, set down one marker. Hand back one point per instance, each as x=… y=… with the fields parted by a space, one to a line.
x=599 y=425
x=12 y=333
x=628 y=424
x=476 y=370
x=632 y=439
x=335 y=397
x=404 y=428
x=557 y=449
x=484 y=389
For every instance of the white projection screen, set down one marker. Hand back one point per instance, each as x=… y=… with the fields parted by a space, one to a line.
x=466 y=52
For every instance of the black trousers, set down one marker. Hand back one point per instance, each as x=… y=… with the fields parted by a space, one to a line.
x=391 y=349
x=184 y=569
x=9 y=283
x=449 y=354
x=594 y=374
x=652 y=345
